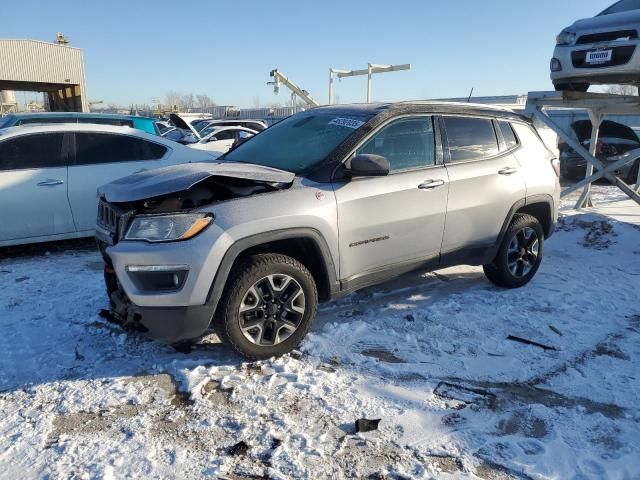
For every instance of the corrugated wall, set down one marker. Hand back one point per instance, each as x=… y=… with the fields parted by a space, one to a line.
x=42 y=62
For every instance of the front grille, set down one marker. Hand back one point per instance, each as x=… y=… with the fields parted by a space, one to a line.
x=108 y=218
x=620 y=56
x=607 y=37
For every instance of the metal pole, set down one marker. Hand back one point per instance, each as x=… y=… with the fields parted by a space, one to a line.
x=596 y=120
x=369 y=83
x=330 y=86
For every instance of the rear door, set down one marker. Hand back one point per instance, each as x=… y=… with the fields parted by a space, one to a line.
x=398 y=219
x=102 y=158
x=485 y=181
x=33 y=187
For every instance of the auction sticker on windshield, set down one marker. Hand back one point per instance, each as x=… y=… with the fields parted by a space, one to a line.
x=346 y=122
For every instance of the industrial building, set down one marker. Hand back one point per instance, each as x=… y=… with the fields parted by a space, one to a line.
x=55 y=69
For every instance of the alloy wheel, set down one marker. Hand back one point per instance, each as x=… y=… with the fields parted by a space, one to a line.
x=523 y=251
x=271 y=310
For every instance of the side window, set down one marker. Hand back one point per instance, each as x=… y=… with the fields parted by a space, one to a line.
x=470 y=138
x=43 y=150
x=95 y=148
x=225 y=135
x=407 y=143
x=508 y=134
x=243 y=134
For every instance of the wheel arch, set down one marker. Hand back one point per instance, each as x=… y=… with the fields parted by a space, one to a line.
x=307 y=245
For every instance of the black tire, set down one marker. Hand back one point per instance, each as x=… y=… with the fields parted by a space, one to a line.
x=632 y=177
x=499 y=271
x=571 y=87
x=247 y=275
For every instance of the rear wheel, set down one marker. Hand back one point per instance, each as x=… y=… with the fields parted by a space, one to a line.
x=572 y=87
x=519 y=255
x=268 y=306
x=632 y=178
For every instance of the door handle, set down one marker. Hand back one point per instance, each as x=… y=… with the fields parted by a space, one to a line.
x=140 y=171
x=508 y=171
x=429 y=184
x=50 y=183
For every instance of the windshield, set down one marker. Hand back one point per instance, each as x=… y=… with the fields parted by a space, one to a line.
x=298 y=142
x=622 y=6
x=5 y=121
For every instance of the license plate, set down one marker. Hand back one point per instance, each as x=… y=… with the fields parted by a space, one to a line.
x=599 y=56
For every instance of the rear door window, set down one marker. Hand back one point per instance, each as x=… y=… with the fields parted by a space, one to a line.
x=95 y=148
x=407 y=144
x=470 y=138
x=508 y=135
x=42 y=150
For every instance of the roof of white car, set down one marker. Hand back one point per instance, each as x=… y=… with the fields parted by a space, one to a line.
x=90 y=127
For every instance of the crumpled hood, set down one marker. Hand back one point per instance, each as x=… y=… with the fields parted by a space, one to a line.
x=176 y=178
x=615 y=21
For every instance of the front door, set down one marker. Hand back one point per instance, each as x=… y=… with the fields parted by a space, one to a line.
x=33 y=187
x=101 y=158
x=396 y=220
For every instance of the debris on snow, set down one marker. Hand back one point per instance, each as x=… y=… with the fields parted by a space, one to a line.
x=366 y=425
x=530 y=342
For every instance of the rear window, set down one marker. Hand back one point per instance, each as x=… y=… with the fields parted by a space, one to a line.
x=508 y=135
x=622 y=6
x=96 y=148
x=470 y=138
x=43 y=150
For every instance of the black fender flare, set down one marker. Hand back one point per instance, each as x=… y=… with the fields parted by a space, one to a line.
x=244 y=244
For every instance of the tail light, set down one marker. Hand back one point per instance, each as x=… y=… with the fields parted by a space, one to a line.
x=555 y=163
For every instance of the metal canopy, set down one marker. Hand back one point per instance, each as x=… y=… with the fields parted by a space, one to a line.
x=598 y=106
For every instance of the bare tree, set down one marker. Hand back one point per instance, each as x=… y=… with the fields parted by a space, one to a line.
x=172 y=98
x=187 y=101
x=622 y=89
x=203 y=101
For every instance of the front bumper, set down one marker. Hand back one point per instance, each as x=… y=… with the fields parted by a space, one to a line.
x=151 y=304
x=574 y=70
x=169 y=324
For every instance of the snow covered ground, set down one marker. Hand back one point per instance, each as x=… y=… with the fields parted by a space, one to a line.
x=427 y=354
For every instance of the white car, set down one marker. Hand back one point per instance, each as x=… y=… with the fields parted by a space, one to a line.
x=49 y=175
x=218 y=140
x=604 y=49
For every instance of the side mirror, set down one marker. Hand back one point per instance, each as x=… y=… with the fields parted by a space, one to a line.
x=212 y=139
x=367 y=165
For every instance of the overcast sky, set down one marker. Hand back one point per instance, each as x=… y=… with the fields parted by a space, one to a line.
x=136 y=51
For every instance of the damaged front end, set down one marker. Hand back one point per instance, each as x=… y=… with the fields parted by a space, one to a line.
x=162 y=206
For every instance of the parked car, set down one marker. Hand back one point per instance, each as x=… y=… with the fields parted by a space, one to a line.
x=615 y=140
x=219 y=140
x=604 y=49
x=141 y=123
x=49 y=175
x=323 y=203
x=256 y=125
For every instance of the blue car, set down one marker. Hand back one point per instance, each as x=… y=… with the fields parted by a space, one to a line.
x=145 y=124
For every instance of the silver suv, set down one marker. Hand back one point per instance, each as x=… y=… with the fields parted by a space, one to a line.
x=326 y=202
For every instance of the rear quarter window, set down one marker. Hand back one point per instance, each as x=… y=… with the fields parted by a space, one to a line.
x=508 y=135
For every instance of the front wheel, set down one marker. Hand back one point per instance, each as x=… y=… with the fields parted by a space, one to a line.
x=520 y=253
x=268 y=306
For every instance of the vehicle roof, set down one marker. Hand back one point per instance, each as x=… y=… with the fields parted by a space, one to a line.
x=427 y=106
x=78 y=115
x=79 y=127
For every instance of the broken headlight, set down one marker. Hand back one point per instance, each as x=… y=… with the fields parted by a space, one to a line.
x=167 y=228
